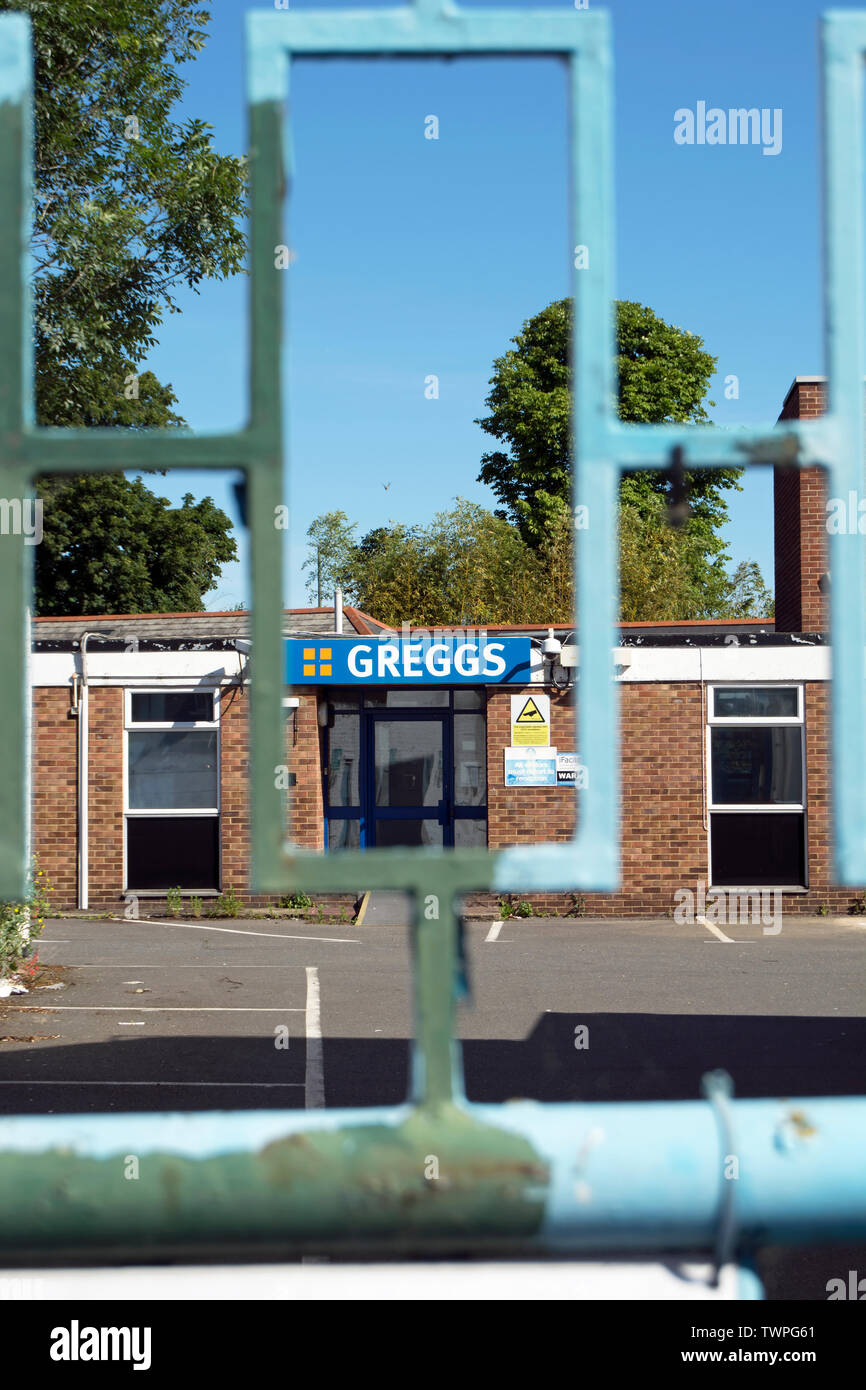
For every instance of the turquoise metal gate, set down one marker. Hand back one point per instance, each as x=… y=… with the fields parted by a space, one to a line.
x=520 y=1176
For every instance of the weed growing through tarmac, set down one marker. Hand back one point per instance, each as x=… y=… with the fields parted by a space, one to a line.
x=508 y=908
x=228 y=904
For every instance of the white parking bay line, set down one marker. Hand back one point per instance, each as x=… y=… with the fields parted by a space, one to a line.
x=314 y=1079
x=493 y=934
x=715 y=930
x=236 y=931
x=151 y=1009
x=728 y=940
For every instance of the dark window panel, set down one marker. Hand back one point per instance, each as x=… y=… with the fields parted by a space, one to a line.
x=343 y=700
x=764 y=702
x=764 y=850
x=172 y=852
x=470 y=760
x=344 y=834
x=172 y=771
x=408 y=833
x=408 y=762
x=344 y=752
x=172 y=707
x=406 y=697
x=760 y=766
x=470 y=834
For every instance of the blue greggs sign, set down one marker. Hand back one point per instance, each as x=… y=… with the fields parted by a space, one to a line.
x=428 y=660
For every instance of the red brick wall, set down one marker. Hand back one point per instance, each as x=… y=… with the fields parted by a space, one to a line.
x=105 y=810
x=819 y=820
x=305 y=760
x=302 y=757
x=55 y=791
x=234 y=771
x=515 y=814
x=664 y=840
x=55 y=807
x=800 y=545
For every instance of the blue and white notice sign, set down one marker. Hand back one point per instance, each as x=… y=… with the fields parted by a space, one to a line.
x=433 y=659
x=530 y=767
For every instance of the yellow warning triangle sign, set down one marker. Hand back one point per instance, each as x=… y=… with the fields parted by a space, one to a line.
x=530 y=714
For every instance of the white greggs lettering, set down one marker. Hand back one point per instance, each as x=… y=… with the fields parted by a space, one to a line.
x=406 y=659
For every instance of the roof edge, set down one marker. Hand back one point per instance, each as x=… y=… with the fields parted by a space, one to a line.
x=801 y=381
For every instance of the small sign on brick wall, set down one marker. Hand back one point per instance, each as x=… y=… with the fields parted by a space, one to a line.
x=530 y=721
x=530 y=767
x=570 y=771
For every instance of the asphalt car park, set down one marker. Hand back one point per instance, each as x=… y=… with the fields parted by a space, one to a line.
x=251 y=1014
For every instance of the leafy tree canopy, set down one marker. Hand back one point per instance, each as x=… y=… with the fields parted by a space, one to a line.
x=663 y=374
x=331 y=541
x=111 y=546
x=470 y=567
x=130 y=205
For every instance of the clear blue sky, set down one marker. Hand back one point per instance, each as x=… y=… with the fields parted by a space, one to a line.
x=417 y=256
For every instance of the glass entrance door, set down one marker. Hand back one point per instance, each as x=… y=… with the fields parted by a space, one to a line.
x=409 y=792
x=405 y=767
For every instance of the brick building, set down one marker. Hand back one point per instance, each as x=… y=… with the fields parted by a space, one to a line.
x=410 y=738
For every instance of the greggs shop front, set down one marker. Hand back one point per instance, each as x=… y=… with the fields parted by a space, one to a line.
x=141 y=753
x=405 y=733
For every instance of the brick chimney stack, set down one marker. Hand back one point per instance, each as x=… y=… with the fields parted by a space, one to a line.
x=799 y=497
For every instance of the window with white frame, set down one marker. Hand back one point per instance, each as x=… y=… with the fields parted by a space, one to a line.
x=757 y=786
x=172 y=790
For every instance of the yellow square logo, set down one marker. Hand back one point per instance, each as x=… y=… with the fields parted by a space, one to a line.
x=317 y=663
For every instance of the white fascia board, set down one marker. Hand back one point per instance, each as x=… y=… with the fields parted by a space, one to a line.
x=134 y=668
x=648 y=664
x=794 y=663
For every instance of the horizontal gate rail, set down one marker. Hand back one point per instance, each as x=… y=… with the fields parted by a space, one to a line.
x=525 y=1177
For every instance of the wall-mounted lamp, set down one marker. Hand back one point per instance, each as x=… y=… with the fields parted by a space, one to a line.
x=290 y=706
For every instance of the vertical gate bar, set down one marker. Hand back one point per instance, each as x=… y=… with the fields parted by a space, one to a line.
x=595 y=472
x=437 y=1073
x=264 y=482
x=16 y=413
x=844 y=312
x=16 y=173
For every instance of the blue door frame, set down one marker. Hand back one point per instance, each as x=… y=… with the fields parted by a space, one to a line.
x=446 y=814
x=443 y=814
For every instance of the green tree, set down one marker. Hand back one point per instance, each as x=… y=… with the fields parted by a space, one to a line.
x=130 y=204
x=748 y=595
x=111 y=546
x=331 y=545
x=470 y=567
x=663 y=375
x=465 y=567
x=661 y=571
